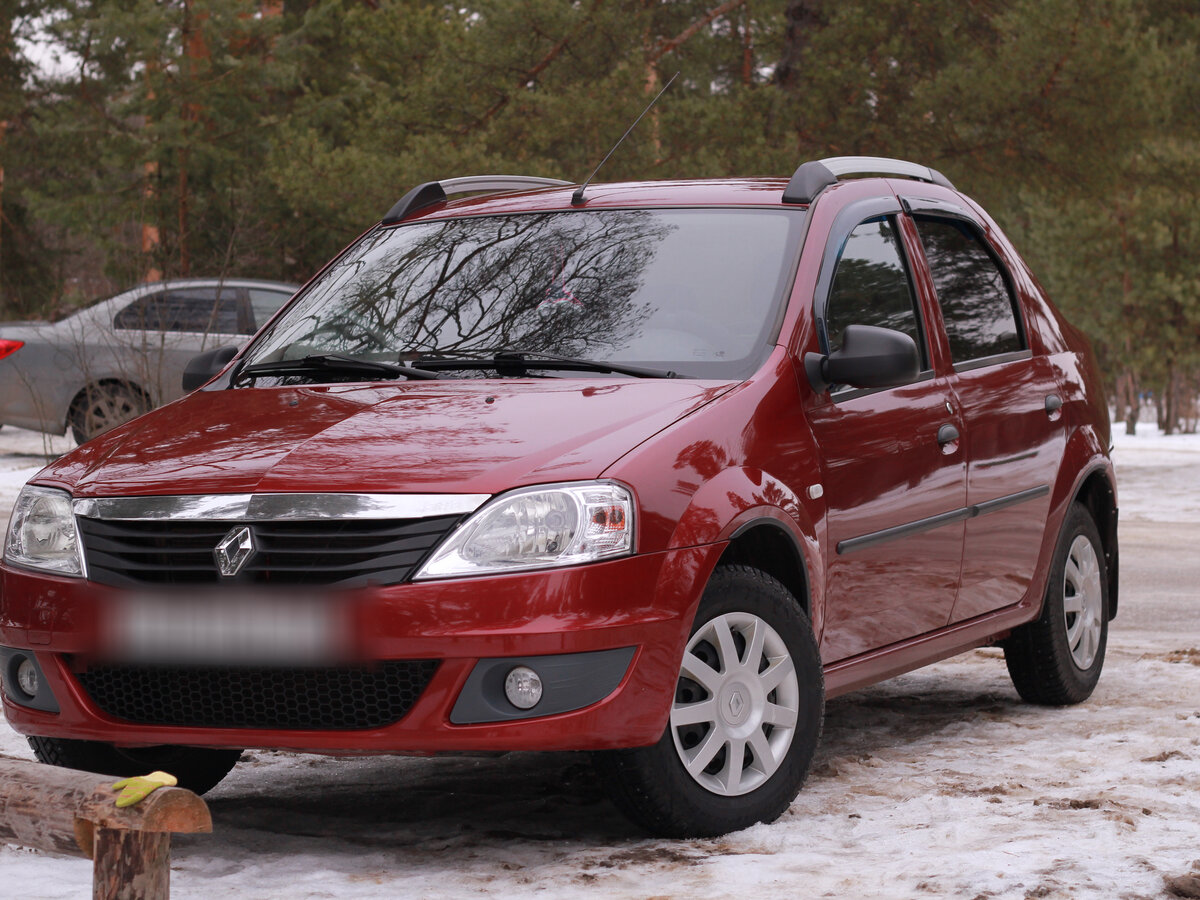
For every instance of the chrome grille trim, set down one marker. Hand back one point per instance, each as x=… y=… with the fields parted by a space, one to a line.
x=277 y=507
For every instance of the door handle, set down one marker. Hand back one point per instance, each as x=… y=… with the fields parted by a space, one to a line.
x=947 y=434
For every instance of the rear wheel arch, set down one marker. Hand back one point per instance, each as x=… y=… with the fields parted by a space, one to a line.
x=1097 y=494
x=1056 y=659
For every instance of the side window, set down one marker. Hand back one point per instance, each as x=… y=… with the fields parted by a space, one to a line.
x=972 y=290
x=871 y=286
x=265 y=304
x=206 y=310
x=142 y=314
x=201 y=310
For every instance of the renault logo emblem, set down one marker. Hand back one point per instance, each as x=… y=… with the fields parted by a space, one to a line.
x=234 y=551
x=736 y=704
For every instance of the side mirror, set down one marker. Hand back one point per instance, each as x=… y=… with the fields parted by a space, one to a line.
x=870 y=357
x=203 y=368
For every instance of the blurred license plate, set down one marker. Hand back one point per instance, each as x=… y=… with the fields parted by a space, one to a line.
x=223 y=628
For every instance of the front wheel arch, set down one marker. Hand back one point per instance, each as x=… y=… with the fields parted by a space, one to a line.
x=763 y=544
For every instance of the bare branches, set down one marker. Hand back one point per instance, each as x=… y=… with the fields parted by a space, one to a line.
x=669 y=45
x=532 y=74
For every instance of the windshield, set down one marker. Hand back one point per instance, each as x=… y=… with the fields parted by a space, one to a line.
x=693 y=291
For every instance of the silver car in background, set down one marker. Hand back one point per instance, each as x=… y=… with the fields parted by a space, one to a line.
x=123 y=356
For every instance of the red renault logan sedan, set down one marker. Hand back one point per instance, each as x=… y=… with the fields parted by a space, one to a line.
x=645 y=469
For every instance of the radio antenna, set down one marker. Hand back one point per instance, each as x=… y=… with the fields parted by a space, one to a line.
x=577 y=197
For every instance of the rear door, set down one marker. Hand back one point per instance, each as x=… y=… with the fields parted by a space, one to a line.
x=1014 y=435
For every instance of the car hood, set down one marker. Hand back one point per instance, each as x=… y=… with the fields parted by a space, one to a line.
x=469 y=436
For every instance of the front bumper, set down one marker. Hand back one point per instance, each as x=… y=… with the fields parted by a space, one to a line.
x=628 y=617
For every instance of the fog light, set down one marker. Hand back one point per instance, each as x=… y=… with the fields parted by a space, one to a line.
x=523 y=687
x=27 y=677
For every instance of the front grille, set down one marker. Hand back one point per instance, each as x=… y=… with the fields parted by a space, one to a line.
x=336 y=698
x=335 y=552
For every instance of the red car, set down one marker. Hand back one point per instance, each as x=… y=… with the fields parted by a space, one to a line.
x=645 y=469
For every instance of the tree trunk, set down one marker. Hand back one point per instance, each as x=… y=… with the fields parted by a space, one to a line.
x=1190 y=403
x=3 y=129
x=747 y=47
x=1129 y=402
x=1168 y=402
x=803 y=18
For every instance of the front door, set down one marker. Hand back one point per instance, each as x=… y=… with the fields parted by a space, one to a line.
x=894 y=476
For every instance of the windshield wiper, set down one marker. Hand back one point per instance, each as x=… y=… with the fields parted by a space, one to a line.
x=331 y=363
x=516 y=363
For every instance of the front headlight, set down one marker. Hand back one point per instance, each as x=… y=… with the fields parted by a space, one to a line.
x=41 y=532
x=536 y=528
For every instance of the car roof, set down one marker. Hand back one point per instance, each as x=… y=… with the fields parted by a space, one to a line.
x=206 y=282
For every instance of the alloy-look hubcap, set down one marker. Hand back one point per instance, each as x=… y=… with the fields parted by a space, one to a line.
x=736 y=704
x=1083 y=602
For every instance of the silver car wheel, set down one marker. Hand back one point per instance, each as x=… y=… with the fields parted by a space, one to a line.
x=1083 y=601
x=736 y=704
x=102 y=407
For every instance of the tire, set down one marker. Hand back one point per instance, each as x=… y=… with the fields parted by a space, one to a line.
x=198 y=769
x=1056 y=660
x=100 y=407
x=751 y=656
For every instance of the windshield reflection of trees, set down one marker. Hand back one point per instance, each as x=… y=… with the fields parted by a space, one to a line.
x=563 y=284
x=976 y=305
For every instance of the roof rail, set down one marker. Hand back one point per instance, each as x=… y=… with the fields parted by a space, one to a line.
x=432 y=192
x=814 y=176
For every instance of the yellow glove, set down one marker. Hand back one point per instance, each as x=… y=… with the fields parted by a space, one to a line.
x=134 y=790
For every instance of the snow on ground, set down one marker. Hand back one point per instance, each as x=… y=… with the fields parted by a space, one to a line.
x=939 y=783
x=22 y=455
x=1152 y=475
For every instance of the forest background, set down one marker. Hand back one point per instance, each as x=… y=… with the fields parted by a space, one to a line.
x=142 y=139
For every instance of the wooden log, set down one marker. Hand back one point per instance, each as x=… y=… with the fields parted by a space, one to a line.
x=41 y=805
x=75 y=813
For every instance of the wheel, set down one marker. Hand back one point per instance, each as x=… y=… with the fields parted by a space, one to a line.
x=100 y=407
x=1057 y=660
x=198 y=769
x=744 y=723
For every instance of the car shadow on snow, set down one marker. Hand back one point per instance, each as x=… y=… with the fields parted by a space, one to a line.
x=555 y=797
x=534 y=796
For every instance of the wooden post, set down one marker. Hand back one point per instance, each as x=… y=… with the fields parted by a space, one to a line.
x=75 y=813
x=131 y=864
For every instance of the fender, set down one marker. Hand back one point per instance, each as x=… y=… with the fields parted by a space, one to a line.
x=1084 y=455
x=723 y=503
x=739 y=499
